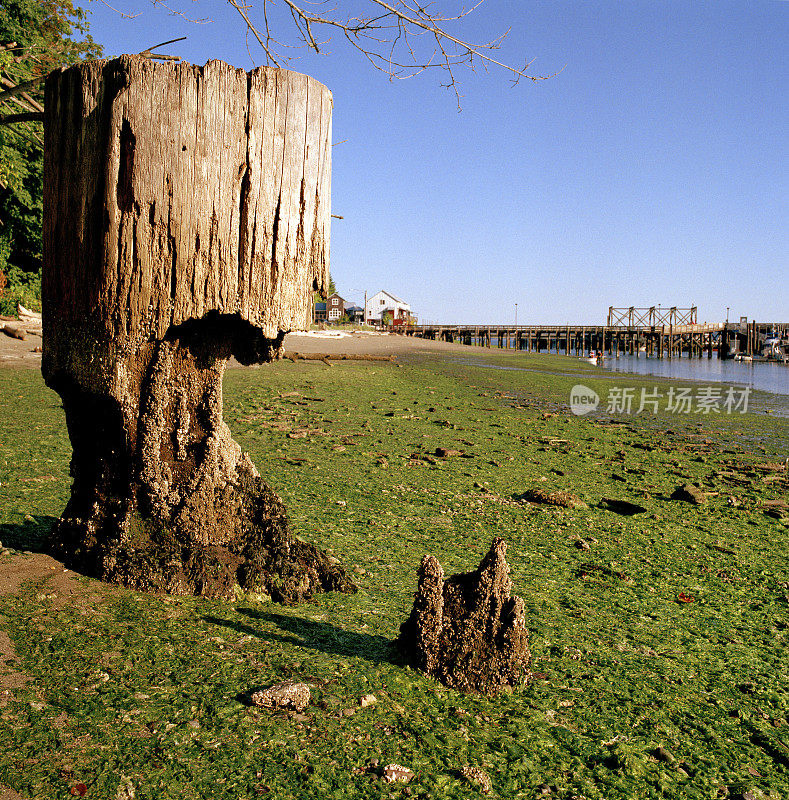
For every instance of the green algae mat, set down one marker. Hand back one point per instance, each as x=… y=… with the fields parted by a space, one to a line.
x=658 y=637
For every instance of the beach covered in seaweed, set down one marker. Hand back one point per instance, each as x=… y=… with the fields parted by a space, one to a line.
x=658 y=636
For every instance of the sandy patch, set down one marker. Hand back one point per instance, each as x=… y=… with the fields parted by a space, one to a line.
x=15 y=353
x=372 y=343
x=60 y=585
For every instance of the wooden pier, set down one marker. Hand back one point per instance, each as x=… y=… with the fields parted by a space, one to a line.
x=725 y=339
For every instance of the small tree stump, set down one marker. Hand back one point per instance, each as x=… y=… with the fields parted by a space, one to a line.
x=467 y=631
x=186 y=219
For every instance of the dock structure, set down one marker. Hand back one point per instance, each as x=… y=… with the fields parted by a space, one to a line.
x=659 y=339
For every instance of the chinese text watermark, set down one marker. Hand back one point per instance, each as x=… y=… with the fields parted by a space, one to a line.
x=674 y=400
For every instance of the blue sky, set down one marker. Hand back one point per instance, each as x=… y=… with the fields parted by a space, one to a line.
x=651 y=170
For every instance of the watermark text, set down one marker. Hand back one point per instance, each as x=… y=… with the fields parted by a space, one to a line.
x=633 y=401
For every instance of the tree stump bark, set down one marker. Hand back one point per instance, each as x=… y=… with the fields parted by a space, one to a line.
x=186 y=219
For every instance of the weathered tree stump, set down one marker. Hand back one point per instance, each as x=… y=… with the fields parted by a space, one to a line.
x=186 y=219
x=467 y=631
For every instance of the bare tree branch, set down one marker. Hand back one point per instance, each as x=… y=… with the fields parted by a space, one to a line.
x=120 y=13
x=387 y=37
x=26 y=98
x=401 y=38
x=173 y=12
x=149 y=50
x=264 y=40
x=26 y=132
x=22 y=88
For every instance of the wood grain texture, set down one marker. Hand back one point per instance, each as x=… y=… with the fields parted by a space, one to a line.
x=173 y=190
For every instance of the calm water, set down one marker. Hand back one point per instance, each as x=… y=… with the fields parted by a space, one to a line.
x=773 y=378
x=765 y=377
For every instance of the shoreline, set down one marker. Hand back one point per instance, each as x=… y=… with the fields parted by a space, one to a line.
x=16 y=354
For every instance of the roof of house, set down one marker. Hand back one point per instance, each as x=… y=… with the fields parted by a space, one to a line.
x=320 y=306
x=389 y=294
x=354 y=308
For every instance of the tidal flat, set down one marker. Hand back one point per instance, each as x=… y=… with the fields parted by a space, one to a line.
x=658 y=638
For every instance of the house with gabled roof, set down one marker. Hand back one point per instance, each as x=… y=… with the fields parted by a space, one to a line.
x=335 y=308
x=384 y=308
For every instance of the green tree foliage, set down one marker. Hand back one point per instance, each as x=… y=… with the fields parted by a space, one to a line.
x=36 y=37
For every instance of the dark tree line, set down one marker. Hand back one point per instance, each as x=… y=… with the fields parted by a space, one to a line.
x=35 y=38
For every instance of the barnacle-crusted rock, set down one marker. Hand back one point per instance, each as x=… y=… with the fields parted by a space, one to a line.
x=467 y=631
x=477 y=777
x=394 y=772
x=286 y=694
x=689 y=494
x=562 y=499
x=621 y=506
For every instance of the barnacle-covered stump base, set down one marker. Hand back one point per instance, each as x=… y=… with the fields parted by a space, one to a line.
x=179 y=508
x=467 y=631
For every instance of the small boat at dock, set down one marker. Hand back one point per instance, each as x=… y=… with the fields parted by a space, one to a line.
x=773 y=351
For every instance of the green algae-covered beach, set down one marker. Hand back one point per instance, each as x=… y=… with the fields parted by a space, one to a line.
x=658 y=637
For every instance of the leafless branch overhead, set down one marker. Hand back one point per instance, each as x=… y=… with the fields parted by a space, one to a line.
x=401 y=38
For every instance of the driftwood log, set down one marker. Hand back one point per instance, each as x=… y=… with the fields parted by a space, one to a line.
x=293 y=356
x=14 y=331
x=186 y=220
x=468 y=631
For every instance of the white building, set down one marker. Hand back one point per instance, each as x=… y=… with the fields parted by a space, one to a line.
x=397 y=310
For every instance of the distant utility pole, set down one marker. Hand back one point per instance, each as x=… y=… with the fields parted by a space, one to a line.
x=516 y=315
x=364 y=320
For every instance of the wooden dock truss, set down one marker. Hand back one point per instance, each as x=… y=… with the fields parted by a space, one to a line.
x=658 y=340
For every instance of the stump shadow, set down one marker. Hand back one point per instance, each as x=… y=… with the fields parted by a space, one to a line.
x=30 y=534
x=315 y=635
